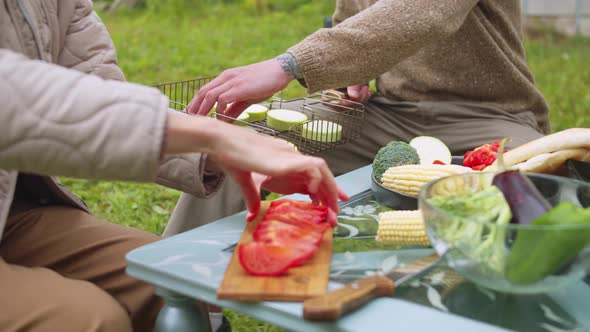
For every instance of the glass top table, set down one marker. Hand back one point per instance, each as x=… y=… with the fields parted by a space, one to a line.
x=191 y=266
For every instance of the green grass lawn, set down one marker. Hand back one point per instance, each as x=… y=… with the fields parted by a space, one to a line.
x=153 y=48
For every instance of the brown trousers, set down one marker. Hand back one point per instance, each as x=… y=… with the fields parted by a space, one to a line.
x=62 y=269
x=462 y=126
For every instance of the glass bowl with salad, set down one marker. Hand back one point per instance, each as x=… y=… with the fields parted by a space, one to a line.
x=510 y=231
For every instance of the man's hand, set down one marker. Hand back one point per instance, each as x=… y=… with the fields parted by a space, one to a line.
x=359 y=93
x=240 y=87
x=356 y=93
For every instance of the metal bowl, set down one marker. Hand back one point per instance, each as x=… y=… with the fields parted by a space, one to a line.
x=397 y=200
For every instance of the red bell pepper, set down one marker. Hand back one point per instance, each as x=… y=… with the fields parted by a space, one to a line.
x=482 y=157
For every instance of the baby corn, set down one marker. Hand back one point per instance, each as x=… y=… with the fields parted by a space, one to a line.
x=404 y=227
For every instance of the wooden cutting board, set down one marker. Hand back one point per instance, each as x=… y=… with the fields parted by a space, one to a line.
x=299 y=283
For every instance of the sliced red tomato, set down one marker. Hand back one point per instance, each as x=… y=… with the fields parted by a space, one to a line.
x=297 y=205
x=296 y=219
x=300 y=205
x=262 y=259
x=313 y=216
x=438 y=162
x=482 y=156
x=289 y=234
x=280 y=233
x=304 y=248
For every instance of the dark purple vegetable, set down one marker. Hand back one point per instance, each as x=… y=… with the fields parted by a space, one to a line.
x=525 y=200
x=578 y=170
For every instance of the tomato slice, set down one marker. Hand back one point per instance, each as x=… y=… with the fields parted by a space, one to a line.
x=482 y=156
x=307 y=251
x=263 y=259
x=289 y=234
x=298 y=205
x=313 y=216
x=297 y=220
x=280 y=233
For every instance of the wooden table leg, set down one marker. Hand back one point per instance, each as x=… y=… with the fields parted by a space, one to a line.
x=180 y=314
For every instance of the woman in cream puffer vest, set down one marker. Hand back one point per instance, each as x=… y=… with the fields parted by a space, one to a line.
x=65 y=110
x=95 y=140
x=62 y=122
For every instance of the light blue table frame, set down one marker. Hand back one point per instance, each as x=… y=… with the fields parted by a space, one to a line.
x=191 y=265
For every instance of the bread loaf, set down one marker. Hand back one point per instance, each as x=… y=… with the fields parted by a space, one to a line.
x=574 y=138
x=551 y=162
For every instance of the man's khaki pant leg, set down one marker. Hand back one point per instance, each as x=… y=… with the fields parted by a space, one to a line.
x=64 y=270
x=191 y=212
x=460 y=126
x=383 y=124
x=464 y=126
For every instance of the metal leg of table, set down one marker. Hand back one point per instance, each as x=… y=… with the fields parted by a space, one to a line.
x=180 y=314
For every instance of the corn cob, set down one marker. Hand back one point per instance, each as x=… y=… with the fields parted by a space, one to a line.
x=404 y=227
x=408 y=179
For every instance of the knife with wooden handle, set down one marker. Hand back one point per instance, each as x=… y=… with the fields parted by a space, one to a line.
x=332 y=305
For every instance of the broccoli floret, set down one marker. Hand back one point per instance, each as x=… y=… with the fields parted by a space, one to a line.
x=394 y=154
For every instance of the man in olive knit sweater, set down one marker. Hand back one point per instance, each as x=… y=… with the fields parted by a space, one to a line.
x=453 y=69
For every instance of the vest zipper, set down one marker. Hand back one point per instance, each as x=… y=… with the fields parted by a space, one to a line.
x=29 y=21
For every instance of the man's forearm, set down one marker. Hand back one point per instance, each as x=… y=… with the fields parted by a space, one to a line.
x=290 y=66
x=366 y=45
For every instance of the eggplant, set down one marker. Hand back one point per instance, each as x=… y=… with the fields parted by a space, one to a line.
x=578 y=170
x=584 y=196
x=525 y=200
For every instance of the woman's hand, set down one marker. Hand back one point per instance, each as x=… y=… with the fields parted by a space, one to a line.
x=256 y=161
x=293 y=184
x=243 y=153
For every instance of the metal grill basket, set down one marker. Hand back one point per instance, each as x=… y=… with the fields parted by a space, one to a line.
x=322 y=110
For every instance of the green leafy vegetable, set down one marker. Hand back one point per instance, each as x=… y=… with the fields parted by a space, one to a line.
x=537 y=253
x=467 y=227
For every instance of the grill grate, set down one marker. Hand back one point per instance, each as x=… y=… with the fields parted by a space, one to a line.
x=325 y=110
